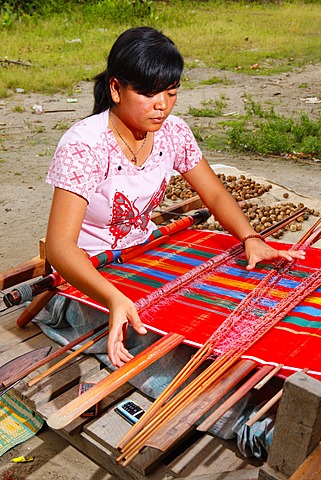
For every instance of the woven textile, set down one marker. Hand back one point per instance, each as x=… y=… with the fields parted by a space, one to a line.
x=201 y=306
x=17 y=423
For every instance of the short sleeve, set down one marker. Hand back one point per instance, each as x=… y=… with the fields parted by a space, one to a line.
x=187 y=152
x=76 y=168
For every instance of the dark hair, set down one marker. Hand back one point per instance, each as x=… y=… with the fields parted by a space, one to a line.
x=143 y=58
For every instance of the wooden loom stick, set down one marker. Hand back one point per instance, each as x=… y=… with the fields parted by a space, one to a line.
x=308 y=234
x=54 y=355
x=181 y=377
x=268 y=377
x=234 y=398
x=265 y=408
x=37 y=304
x=67 y=359
x=170 y=432
x=117 y=378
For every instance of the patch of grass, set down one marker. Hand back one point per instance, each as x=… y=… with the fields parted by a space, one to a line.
x=204 y=112
x=71 y=46
x=212 y=108
x=61 y=125
x=265 y=132
x=216 y=80
x=19 y=108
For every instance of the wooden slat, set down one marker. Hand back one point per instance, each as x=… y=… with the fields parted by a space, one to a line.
x=183 y=422
x=33 y=268
x=311 y=468
x=64 y=379
x=182 y=206
x=49 y=408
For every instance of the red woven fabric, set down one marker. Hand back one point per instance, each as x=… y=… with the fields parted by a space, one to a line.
x=201 y=306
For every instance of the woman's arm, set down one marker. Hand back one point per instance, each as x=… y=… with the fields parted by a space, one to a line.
x=66 y=216
x=226 y=210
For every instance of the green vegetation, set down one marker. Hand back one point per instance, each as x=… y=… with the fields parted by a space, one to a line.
x=263 y=131
x=50 y=46
x=66 y=42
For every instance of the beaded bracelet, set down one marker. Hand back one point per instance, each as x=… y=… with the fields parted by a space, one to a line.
x=252 y=235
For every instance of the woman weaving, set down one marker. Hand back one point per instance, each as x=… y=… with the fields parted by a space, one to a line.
x=111 y=170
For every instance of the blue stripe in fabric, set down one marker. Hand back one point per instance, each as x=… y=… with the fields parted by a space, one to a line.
x=220 y=291
x=301 y=322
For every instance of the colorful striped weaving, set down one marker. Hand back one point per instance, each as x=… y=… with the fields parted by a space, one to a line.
x=17 y=423
x=197 y=311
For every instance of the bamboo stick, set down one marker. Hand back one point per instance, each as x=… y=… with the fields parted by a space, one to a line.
x=117 y=378
x=67 y=359
x=265 y=408
x=233 y=399
x=268 y=377
x=53 y=356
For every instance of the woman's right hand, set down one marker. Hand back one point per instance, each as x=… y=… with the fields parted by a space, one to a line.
x=121 y=311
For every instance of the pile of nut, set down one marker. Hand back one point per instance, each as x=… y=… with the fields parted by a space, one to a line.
x=240 y=188
x=264 y=216
x=243 y=189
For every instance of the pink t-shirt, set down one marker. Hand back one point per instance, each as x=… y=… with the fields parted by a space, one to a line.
x=120 y=195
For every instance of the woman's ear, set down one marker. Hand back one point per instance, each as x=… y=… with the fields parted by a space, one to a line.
x=115 y=90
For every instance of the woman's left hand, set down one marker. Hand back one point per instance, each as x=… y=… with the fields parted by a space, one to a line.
x=257 y=251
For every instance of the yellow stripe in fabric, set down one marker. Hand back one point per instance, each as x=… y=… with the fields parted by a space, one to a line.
x=171 y=268
x=232 y=283
x=297 y=333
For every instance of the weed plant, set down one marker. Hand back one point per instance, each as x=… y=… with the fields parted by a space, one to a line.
x=265 y=132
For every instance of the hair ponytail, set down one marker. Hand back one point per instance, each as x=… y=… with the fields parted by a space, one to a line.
x=102 y=96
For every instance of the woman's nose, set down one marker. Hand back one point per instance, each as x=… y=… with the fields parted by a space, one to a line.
x=161 y=101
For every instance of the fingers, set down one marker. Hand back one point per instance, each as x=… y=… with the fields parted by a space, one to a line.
x=137 y=324
x=273 y=254
x=118 y=322
x=117 y=352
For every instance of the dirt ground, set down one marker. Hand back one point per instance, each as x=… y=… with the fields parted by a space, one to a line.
x=28 y=141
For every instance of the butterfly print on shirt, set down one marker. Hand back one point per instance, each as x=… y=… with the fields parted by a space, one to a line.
x=125 y=215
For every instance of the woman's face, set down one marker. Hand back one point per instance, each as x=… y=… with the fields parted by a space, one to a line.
x=142 y=113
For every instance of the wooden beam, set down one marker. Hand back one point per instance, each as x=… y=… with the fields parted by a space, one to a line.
x=23 y=272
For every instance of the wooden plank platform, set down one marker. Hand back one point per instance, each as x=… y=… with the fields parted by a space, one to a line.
x=200 y=456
